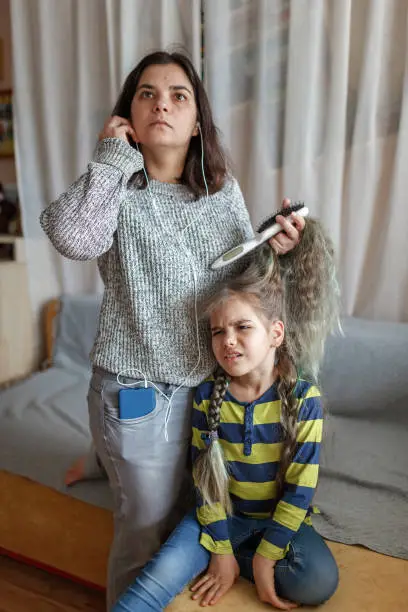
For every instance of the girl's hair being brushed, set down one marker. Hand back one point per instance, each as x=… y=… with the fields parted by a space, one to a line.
x=300 y=289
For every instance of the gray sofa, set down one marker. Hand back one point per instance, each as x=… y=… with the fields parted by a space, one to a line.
x=363 y=487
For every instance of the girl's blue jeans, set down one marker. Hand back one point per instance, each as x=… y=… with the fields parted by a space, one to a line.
x=307 y=575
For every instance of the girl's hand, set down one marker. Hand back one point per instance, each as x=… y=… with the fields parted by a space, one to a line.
x=118 y=127
x=293 y=226
x=221 y=574
x=264 y=575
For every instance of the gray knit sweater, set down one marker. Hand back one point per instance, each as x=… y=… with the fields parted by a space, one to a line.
x=150 y=244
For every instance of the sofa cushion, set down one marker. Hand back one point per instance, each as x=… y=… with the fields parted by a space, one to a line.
x=77 y=325
x=365 y=371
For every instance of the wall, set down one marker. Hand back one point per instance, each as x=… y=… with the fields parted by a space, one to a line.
x=14 y=282
x=7 y=165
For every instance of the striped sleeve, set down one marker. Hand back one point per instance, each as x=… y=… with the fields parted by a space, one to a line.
x=300 y=480
x=213 y=519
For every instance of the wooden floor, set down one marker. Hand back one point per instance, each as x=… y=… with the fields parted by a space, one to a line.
x=27 y=589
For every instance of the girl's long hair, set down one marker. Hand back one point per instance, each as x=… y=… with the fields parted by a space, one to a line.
x=300 y=289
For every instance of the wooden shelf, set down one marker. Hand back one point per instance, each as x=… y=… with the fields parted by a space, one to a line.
x=16 y=322
x=18 y=248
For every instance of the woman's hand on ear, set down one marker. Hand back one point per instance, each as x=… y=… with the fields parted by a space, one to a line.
x=118 y=127
x=293 y=227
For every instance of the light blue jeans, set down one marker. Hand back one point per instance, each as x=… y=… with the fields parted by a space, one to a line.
x=149 y=476
x=307 y=575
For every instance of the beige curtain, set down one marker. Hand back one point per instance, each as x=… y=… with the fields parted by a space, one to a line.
x=313 y=98
x=70 y=60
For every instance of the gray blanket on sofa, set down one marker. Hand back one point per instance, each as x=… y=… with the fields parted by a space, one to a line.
x=363 y=486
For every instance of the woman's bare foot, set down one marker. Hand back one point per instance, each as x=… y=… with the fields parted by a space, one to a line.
x=87 y=467
x=76 y=472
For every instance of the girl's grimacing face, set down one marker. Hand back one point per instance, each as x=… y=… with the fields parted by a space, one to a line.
x=164 y=111
x=242 y=339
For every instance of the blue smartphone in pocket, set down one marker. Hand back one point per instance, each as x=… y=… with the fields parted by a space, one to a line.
x=136 y=403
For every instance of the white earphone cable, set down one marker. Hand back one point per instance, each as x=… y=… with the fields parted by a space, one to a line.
x=122 y=373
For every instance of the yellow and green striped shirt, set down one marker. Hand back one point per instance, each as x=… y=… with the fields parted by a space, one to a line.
x=251 y=438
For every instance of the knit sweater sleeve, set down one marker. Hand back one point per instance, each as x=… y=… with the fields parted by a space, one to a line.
x=238 y=207
x=82 y=221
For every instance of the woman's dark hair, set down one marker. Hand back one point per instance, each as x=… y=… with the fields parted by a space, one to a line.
x=215 y=165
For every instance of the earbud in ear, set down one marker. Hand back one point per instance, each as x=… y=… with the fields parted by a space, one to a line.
x=197 y=129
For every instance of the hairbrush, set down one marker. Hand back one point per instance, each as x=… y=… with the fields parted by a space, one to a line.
x=265 y=231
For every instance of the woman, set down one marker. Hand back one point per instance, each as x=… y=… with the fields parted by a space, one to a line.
x=156 y=207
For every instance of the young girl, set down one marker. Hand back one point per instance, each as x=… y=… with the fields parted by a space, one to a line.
x=257 y=429
x=155 y=214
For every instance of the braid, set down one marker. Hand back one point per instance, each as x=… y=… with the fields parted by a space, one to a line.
x=289 y=408
x=210 y=470
x=217 y=397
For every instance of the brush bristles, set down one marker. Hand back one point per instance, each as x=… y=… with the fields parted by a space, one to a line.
x=285 y=212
